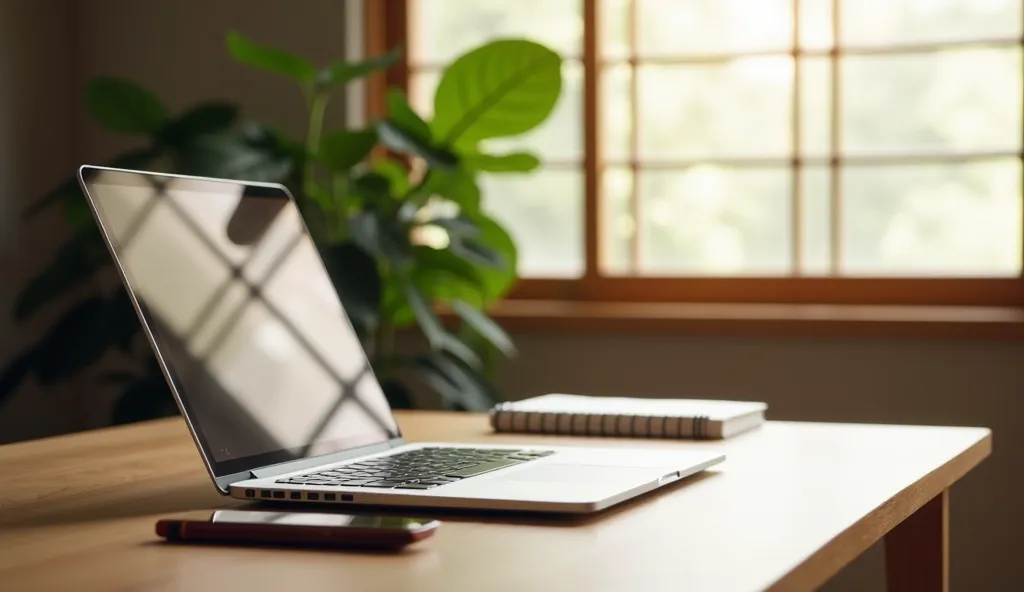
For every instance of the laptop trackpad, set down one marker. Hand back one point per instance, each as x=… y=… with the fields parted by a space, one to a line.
x=578 y=474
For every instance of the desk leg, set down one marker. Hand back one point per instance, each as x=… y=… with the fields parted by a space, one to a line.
x=917 y=550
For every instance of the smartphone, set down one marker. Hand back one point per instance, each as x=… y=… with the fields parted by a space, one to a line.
x=298 y=529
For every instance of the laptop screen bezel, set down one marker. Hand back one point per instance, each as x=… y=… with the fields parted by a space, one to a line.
x=237 y=468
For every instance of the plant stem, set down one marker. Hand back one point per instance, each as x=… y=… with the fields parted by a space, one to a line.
x=385 y=340
x=317 y=107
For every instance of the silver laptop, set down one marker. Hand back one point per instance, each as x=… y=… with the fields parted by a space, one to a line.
x=272 y=379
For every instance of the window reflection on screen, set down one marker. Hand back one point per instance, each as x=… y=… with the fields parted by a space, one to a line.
x=244 y=315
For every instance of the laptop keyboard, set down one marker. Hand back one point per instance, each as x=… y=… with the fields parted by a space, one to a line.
x=423 y=468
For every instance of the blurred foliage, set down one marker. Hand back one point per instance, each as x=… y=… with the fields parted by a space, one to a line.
x=369 y=196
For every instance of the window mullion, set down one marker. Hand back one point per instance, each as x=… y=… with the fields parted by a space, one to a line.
x=592 y=162
x=835 y=144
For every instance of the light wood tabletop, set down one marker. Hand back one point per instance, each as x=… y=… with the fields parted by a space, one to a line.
x=792 y=504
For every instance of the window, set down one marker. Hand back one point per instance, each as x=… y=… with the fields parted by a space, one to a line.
x=834 y=151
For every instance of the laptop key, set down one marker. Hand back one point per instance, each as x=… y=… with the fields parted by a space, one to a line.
x=356 y=482
x=484 y=468
x=416 y=486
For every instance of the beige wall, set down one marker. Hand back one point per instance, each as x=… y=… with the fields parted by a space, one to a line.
x=176 y=48
x=37 y=148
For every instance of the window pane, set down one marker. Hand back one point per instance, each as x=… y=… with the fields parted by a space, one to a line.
x=816 y=107
x=741 y=108
x=873 y=22
x=207 y=222
x=176 y=304
x=618 y=225
x=544 y=213
x=422 y=85
x=816 y=231
x=709 y=220
x=950 y=100
x=262 y=358
x=207 y=327
x=444 y=29
x=560 y=137
x=302 y=291
x=935 y=219
x=617 y=116
x=816 y=24
x=615 y=25
x=672 y=27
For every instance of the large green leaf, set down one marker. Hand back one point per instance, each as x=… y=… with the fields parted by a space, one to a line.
x=431 y=260
x=236 y=157
x=504 y=88
x=373 y=187
x=475 y=252
x=485 y=326
x=458 y=186
x=490 y=356
x=424 y=312
x=441 y=276
x=458 y=385
x=123 y=106
x=397 y=176
x=454 y=346
x=496 y=281
x=402 y=115
x=344 y=149
x=341 y=73
x=270 y=59
x=515 y=162
x=457 y=226
x=381 y=236
x=74 y=263
x=355 y=276
x=401 y=140
x=203 y=119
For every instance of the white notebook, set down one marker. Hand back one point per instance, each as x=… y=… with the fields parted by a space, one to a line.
x=581 y=415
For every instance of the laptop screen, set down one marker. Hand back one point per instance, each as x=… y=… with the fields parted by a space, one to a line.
x=244 y=315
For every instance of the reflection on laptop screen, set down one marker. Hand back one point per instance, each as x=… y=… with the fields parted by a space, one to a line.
x=245 y=317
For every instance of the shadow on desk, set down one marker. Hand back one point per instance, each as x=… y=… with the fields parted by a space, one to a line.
x=495 y=516
x=126 y=502
x=129 y=503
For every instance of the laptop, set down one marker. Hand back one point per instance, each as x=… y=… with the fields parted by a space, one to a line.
x=272 y=379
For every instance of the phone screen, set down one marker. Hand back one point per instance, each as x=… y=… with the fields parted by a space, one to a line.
x=315 y=519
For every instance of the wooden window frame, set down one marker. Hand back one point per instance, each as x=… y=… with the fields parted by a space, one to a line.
x=386 y=25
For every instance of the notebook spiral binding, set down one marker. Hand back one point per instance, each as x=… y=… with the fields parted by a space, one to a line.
x=505 y=418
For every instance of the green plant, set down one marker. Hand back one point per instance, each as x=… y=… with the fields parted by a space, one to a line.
x=395 y=210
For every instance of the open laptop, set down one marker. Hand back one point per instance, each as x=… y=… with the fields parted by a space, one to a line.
x=272 y=379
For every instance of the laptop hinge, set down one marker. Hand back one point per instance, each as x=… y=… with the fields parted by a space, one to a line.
x=325 y=459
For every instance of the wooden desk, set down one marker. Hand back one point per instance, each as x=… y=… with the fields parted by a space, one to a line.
x=793 y=504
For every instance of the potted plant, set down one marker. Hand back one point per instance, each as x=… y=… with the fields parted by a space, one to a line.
x=395 y=209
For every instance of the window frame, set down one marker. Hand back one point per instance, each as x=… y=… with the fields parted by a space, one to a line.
x=386 y=25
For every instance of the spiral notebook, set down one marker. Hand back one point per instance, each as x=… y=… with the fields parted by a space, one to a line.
x=582 y=415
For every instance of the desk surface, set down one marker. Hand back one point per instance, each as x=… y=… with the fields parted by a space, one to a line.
x=792 y=504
